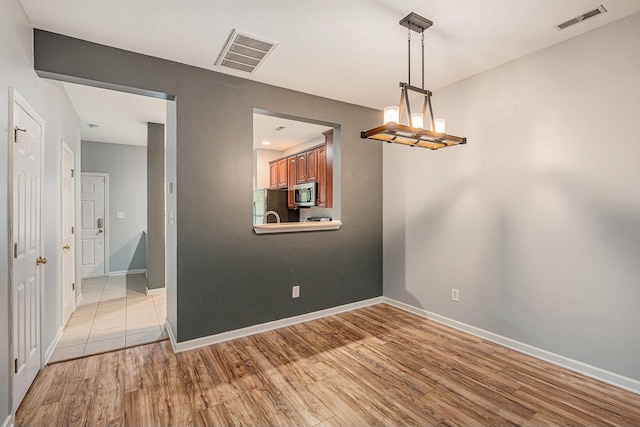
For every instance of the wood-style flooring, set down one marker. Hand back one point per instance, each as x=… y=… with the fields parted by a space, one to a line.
x=368 y=367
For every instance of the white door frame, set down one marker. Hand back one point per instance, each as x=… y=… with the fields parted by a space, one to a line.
x=107 y=229
x=72 y=251
x=15 y=97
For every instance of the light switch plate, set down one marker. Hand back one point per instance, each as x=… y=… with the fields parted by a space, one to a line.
x=119 y=215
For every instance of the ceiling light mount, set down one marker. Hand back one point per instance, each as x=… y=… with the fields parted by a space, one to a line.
x=414 y=134
x=415 y=22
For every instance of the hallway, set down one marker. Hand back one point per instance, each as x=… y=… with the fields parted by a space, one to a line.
x=115 y=312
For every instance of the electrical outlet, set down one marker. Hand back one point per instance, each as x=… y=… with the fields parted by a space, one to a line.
x=455 y=295
x=295 y=291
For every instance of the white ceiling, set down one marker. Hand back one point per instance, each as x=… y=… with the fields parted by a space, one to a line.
x=115 y=117
x=354 y=51
x=293 y=132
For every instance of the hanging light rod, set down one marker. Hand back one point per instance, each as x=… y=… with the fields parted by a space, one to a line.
x=414 y=134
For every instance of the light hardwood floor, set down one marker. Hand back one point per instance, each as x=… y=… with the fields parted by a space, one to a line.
x=372 y=366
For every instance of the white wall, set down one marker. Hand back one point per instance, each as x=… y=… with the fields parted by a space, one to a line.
x=262 y=158
x=537 y=220
x=61 y=123
x=127 y=169
x=171 y=207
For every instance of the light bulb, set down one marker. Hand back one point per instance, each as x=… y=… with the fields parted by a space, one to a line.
x=416 y=120
x=391 y=114
x=440 y=126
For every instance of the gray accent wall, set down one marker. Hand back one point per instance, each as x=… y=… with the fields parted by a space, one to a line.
x=61 y=123
x=127 y=169
x=155 y=206
x=227 y=276
x=537 y=220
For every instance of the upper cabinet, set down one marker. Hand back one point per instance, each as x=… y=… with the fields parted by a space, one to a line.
x=283 y=177
x=314 y=165
x=307 y=166
x=325 y=172
x=278 y=174
x=291 y=173
x=273 y=174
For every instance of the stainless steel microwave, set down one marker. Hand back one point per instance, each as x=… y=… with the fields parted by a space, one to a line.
x=304 y=195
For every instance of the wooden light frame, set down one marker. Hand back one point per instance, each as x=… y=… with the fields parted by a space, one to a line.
x=392 y=132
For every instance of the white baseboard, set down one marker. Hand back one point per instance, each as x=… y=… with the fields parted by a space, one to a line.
x=562 y=361
x=92 y=276
x=126 y=272
x=79 y=300
x=172 y=336
x=156 y=291
x=264 y=327
x=8 y=422
x=52 y=346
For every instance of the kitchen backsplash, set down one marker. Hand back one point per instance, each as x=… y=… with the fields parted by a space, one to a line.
x=315 y=212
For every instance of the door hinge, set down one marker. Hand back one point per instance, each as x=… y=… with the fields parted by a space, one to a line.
x=15 y=133
x=73 y=173
x=15 y=250
x=73 y=230
x=73 y=286
x=15 y=366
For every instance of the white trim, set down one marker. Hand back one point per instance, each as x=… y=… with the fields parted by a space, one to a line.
x=92 y=276
x=264 y=327
x=8 y=422
x=172 y=337
x=64 y=147
x=156 y=291
x=126 y=272
x=53 y=345
x=617 y=380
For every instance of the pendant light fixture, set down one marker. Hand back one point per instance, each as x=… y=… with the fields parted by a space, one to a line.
x=422 y=130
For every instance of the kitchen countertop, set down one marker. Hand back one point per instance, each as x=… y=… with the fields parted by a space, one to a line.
x=295 y=227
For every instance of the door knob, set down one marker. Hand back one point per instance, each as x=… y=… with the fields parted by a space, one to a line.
x=100 y=231
x=65 y=247
x=41 y=260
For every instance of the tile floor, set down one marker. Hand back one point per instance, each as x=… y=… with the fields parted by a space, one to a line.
x=115 y=312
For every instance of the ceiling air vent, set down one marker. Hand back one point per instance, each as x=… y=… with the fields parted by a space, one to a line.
x=245 y=52
x=582 y=17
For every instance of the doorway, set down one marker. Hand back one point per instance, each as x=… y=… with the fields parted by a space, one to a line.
x=117 y=308
x=67 y=208
x=94 y=202
x=26 y=267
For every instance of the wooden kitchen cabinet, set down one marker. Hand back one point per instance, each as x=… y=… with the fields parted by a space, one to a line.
x=325 y=172
x=273 y=174
x=301 y=168
x=291 y=174
x=283 y=177
x=307 y=166
x=314 y=165
x=278 y=174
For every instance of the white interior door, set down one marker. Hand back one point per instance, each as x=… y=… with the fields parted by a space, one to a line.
x=93 y=225
x=27 y=265
x=68 y=229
